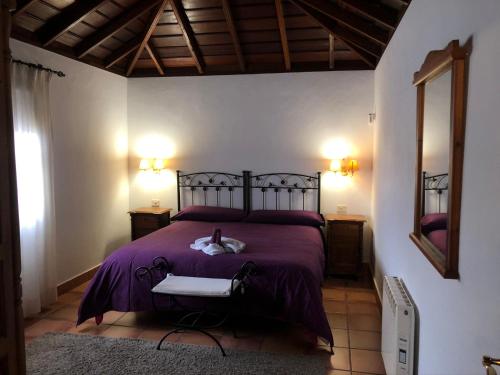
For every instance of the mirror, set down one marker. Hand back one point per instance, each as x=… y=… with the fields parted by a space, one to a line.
x=440 y=84
x=435 y=161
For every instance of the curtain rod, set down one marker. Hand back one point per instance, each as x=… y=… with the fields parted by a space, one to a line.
x=39 y=67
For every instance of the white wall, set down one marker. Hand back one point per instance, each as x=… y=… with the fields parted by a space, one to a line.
x=459 y=319
x=89 y=110
x=263 y=123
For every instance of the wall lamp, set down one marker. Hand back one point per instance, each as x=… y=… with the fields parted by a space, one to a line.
x=155 y=165
x=344 y=166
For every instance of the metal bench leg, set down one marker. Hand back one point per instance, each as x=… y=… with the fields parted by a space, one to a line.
x=213 y=338
x=164 y=337
x=177 y=330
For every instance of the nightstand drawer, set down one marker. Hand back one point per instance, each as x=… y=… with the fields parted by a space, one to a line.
x=146 y=222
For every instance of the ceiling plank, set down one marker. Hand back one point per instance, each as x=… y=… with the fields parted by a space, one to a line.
x=22 y=5
x=187 y=31
x=363 y=46
x=350 y=20
x=375 y=11
x=113 y=26
x=372 y=62
x=121 y=52
x=147 y=34
x=69 y=17
x=331 y=51
x=226 y=7
x=284 y=38
x=155 y=58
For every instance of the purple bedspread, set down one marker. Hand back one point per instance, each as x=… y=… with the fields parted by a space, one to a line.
x=290 y=261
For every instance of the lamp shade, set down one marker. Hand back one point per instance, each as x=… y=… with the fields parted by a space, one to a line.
x=353 y=165
x=336 y=165
x=145 y=164
x=158 y=164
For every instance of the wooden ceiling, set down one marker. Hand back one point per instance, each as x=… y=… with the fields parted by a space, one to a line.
x=203 y=37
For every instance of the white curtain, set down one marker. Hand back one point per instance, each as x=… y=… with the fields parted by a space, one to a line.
x=34 y=164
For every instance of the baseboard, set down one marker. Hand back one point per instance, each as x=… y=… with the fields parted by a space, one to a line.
x=77 y=280
x=375 y=286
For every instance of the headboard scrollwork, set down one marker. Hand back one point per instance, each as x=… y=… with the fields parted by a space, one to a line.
x=286 y=190
x=223 y=186
x=437 y=183
x=289 y=183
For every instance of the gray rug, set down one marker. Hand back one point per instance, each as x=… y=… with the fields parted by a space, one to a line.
x=63 y=353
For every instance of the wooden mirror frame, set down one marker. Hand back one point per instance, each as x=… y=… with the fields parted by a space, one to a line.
x=454 y=58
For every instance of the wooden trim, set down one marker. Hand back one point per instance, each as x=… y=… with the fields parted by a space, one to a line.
x=76 y=281
x=187 y=32
x=113 y=26
x=147 y=34
x=69 y=17
x=226 y=8
x=350 y=20
x=331 y=51
x=439 y=61
x=454 y=58
x=284 y=38
x=374 y=285
x=155 y=58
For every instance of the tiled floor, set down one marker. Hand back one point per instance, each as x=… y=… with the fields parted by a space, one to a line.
x=351 y=308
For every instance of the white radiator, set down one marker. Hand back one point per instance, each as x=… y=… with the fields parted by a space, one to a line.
x=398 y=328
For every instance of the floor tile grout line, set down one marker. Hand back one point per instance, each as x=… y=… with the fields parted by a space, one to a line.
x=349 y=340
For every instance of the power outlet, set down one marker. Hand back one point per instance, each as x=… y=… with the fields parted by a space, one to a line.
x=342 y=209
x=155 y=203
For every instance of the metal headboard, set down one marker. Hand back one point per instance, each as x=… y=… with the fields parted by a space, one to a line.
x=208 y=184
x=437 y=183
x=289 y=183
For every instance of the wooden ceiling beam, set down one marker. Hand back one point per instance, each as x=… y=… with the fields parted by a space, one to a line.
x=125 y=50
x=370 y=53
x=331 y=51
x=226 y=8
x=69 y=17
x=350 y=20
x=113 y=26
x=283 y=36
x=155 y=58
x=375 y=11
x=150 y=28
x=187 y=31
x=22 y=5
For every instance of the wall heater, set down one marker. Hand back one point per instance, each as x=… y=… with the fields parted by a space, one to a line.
x=398 y=328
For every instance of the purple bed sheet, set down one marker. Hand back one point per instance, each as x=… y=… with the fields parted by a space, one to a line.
x=290 y=260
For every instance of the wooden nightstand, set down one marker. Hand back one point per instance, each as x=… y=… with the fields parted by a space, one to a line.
x=344 y=244
x=148 y=219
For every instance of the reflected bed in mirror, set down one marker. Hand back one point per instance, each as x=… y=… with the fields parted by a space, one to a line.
x=441 y=92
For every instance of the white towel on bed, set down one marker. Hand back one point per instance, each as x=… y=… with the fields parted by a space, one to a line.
x=230 y=245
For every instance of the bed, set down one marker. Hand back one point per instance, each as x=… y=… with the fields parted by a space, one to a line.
x=289 y=256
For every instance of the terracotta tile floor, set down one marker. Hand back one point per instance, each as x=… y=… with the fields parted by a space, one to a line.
x=351 y=308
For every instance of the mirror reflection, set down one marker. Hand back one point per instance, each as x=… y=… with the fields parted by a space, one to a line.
x=436 y=160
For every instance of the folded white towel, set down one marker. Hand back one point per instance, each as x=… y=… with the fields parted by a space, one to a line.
x=230 y=245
